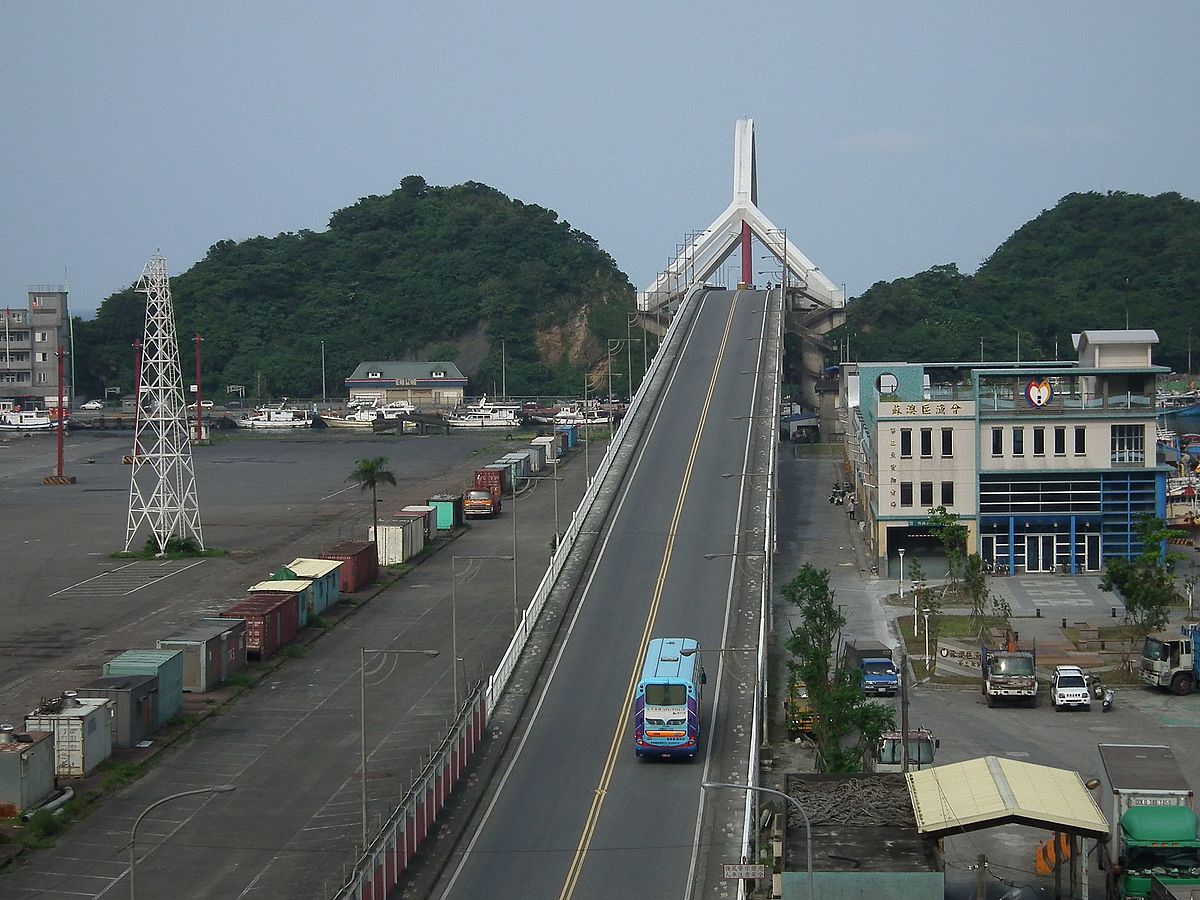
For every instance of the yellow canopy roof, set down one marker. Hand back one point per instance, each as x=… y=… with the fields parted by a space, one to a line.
x=281 y=587
x=313 y=568
x=981 y=793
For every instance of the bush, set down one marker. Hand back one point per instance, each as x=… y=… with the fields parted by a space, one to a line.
x=293 y=651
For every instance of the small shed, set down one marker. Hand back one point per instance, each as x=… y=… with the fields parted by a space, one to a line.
x=299 y=589
x=551 y=448
x=361 y=564
x=571 y=432
x=449 y=511
x=398 y=541
x=135 y=705
x=428 y=518
x=537 y=457
x=167 y=665
x=420 y=523
x=323 y=573
x=26 y=770
x=213 y=649
x=82 y=732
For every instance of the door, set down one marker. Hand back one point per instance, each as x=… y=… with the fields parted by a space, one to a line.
x=1039 y=552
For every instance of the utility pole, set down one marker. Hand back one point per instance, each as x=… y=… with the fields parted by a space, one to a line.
x=903 y=711
x=981 y=877
x=503 y=369
x=199 y=391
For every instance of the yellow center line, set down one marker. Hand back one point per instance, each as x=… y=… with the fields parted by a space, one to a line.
x=620 y=732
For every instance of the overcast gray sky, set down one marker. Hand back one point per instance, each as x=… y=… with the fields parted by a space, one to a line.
x=891 y=136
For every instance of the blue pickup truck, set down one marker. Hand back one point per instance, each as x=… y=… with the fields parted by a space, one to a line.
x=873 y=661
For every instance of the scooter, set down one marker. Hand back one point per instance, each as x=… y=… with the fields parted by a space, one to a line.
x=1110 y=697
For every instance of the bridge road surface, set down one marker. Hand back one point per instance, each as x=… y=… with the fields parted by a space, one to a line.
x=574 y=812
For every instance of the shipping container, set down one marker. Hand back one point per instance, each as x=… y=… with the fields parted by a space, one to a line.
x=537 y=458
x=399 y=541
x=429 y=518
x=299 y=589
x=419 y=522
x=134 y=705
x=82 y=732
x=167 y=665
x=26 y=770
x=213 y=649
x=521 y=463
x=551 y=447
x=271 y=622
x=360 y=564
x=572 y=434
x=504 y=475
x=323 y=573
x=449 y=511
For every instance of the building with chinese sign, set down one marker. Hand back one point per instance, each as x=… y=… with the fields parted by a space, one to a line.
x=1047 y=464
x=423 y=384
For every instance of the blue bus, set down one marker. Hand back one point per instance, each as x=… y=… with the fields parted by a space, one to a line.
x=667 y=704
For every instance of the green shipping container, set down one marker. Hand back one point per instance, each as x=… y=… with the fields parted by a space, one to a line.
x=167 y=665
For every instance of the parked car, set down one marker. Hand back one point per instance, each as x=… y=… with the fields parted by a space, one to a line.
x=205 y=404
x=93 y=404
x=1069 y=687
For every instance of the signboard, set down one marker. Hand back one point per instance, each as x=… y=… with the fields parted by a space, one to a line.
x=745 y=870
x=957 y=658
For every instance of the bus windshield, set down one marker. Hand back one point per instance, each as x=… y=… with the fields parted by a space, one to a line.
x=666 y=695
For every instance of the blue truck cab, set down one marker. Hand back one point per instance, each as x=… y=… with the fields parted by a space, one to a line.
x=873 y=661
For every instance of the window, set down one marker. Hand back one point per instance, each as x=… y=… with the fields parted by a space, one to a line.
x=926 y=494
x=997 y=442
x=1128 y=443
x=1060 y=441
x=666 y=694
x=906 y=443
x=374 y=374
x=1080 y=442
x=1039 y=442
x=947 y=442
x=1018 y=441
x=906 y=493
x=39 y=337
x=41 y=378
x=947 y=493
x=42 y=357
x=926 y=443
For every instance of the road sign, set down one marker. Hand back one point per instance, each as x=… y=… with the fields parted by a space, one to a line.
x=745 y=870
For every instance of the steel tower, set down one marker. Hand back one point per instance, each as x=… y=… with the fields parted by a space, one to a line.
x=162 y=486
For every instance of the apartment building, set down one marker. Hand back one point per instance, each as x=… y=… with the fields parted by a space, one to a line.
x=29 y=340
x=1047 y=464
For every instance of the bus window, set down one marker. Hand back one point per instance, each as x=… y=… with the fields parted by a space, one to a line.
x=666 y=695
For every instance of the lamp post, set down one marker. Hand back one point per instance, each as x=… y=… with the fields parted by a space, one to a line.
x=587 y=466
x=217 y=789
x=555 y=479
x=323 y=398
x=709 y=785
x=925 y=614
x=362 y=724
x=454 y=621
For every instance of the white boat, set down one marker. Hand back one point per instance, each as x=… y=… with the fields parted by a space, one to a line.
x=365 y=417
x=27 y=420
x=277 y=417
x=580 y=414
x=484 y=415
x=395 y=410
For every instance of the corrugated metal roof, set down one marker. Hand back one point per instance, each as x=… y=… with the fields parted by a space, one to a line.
x=1118 y=336
x=313 y=568
x=279 y=587
x=982 y=793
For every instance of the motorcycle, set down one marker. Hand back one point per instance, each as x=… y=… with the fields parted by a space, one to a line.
x=1110 y=697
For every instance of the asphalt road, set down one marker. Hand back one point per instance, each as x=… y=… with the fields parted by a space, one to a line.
x=575 y=814
x=291 y=745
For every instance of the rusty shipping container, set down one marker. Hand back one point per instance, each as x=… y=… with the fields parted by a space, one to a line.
x=271 y=622
x=26 y=770
x=361 y=564
x=213 y=649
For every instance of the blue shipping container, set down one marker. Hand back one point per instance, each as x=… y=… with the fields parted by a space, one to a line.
x=167 y=665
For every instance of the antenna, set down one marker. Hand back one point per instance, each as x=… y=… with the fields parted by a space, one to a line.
x=162 y=485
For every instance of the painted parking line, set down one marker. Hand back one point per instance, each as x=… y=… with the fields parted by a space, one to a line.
x=128 y=579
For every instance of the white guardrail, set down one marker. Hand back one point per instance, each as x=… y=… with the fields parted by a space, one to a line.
x=508 y=662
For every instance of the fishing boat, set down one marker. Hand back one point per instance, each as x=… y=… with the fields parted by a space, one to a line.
x=360 y=419
x=397 y=409
x=277 y=417
x=484 y=415
x=591 y=413
x=27 y=420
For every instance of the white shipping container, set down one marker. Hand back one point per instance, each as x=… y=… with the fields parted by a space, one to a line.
x=82 y=732
x=389 y=540
x=537 y=458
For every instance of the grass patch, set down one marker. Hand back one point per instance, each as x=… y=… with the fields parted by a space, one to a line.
x=293 y=651
x=43 y=828
x=119 y=775
x=240 y=679
x=318 y=622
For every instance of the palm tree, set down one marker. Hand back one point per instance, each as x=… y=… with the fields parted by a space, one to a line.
x=370 y=473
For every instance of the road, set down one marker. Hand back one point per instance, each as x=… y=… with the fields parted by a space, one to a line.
x=574 y=813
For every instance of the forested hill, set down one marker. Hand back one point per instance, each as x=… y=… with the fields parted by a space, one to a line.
x=430 y=273
x=1094 y=261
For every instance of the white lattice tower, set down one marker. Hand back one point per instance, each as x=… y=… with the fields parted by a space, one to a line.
x=162 y=486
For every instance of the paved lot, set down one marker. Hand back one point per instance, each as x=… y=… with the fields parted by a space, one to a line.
x=291 y=745
x=67 y=606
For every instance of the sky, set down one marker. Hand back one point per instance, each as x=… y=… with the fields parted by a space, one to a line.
x=891 y=137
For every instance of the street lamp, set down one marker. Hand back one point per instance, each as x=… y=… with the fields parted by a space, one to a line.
x=323 y=371
x=925 y=613
x=708 y=785
x=901 y=552
x=454 y=619
x=218 y=789
x=362 y=724
x=555 y=479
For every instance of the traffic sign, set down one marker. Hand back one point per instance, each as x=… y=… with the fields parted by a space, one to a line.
x=745 y=870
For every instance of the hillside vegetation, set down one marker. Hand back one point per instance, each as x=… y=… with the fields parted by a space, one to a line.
x=432 y=273
x=1093 y=261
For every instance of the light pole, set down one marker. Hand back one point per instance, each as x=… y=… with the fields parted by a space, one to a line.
x=555 y=479
x=587 y=466
x=925 y=613
x=901 y=552
x=323 y=398
x=217 y=789
x=708 y=785
x=454 y=622
x=514 y=554
x=362 y=725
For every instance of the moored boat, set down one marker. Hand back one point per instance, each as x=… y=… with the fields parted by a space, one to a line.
x=28 y=420
x=277 y=417
x=484 y=415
